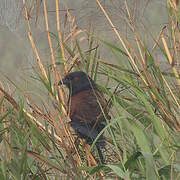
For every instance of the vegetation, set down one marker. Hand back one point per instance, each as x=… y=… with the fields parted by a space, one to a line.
x=143 y=139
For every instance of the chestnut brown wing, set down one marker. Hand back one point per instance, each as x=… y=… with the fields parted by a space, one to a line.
x=86 y=106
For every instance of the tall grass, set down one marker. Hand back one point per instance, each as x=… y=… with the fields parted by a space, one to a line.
x=142 y=136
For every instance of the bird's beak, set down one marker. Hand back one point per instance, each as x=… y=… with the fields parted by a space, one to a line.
x=63 y=82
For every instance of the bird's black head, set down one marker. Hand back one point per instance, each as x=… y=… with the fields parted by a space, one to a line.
x=78 y=81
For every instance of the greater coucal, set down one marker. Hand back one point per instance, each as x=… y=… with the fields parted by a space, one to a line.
x=87 y=108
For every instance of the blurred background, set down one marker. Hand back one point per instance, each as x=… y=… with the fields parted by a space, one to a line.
x=15 y=49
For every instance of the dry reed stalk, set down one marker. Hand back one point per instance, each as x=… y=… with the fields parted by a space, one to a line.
x=150 y=82
x=59 y=34
x=125 y=46
x=42 y=159
x=170 y=60
x=91 y=160
x=158 y=38
x=5 y=125
x=173 y=4
x=43 y=72
x=56 y=77
x=156 y=43
x=122 y=41
x=74 y=32
x=171 y=92
x=55 y=72
x=138 y=41
x=11 y=100
x=26 y=15
x=139 y=45
x=174 y=123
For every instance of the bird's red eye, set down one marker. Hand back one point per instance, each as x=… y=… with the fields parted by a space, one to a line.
x=76 y=78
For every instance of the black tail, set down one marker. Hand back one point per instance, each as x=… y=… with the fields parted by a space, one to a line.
x=89 y=134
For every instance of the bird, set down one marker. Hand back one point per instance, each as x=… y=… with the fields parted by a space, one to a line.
x=87 y=108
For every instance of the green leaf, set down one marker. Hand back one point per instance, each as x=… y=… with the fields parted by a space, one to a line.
x=132 y=159
x=118 y=171
x=3 y=116
x=145 y=150
x=112 y=46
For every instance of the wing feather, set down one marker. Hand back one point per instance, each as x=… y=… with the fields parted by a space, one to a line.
x=87 y=106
